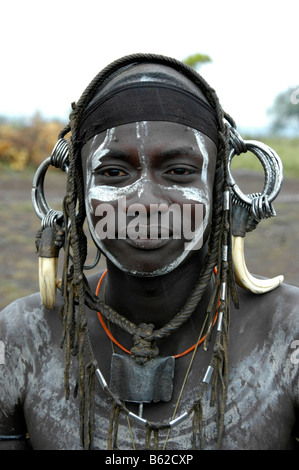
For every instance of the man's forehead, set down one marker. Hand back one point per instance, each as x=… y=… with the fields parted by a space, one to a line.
x=162 y=137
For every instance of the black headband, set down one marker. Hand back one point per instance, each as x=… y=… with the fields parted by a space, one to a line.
x=150 y=101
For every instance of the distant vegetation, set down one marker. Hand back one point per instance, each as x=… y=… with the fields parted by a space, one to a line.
x=196 y=60
x=284 y=111
x=286 y=148
x=26 y=143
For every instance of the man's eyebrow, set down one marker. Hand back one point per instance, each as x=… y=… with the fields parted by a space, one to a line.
x=175 y=151
x=108 y=153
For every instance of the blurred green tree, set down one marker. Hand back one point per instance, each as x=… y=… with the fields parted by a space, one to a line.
x=196 y=60
x=285 y=110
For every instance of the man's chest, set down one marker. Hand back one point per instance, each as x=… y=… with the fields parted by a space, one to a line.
x=257 y=415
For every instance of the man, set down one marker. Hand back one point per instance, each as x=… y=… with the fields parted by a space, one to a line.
x=178 y=356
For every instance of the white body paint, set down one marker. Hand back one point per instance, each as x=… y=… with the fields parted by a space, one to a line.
x=112 y=194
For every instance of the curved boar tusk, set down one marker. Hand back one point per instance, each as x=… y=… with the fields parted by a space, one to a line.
x=47 y=281
x=243 y=277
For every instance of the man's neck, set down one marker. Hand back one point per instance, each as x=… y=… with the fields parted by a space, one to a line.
x=152 y=299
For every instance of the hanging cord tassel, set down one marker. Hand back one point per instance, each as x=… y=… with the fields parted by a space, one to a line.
x=69 y=312
x=113 y=427
x=212 y=311
x=148 y=438
x=156 y=439
x=197 y=427
x=218 y=392
x=155 y=431
x=220 y=376
x=82 y=388
x=90 y=392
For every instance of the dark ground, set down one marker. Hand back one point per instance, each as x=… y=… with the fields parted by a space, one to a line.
x=271 y=249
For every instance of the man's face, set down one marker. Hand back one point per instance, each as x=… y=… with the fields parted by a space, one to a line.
x=148 y=192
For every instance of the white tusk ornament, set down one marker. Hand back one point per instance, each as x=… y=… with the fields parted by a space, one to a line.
x=48 y=281
x=243 y=277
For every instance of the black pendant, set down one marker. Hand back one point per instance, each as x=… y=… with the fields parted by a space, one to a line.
x=150 y=382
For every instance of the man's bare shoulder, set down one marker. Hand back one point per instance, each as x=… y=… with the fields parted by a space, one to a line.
x=17 y=311
x=25 y=316
x=285 y=304
x=25 y=313
x=266 y=324
x=266 y=321
x=281 y=304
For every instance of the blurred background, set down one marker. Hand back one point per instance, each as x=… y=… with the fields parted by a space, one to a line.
x=247 y=50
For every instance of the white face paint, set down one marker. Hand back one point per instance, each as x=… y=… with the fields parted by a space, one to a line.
x=93 y=161
x=204 y=151
x=194 y=194
x=111 y=194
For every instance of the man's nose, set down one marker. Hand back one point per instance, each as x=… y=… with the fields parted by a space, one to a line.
x=148 y=192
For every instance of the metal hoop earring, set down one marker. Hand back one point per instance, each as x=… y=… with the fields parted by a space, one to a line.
x=58 y=159
x=50 y=237
x=248 y=210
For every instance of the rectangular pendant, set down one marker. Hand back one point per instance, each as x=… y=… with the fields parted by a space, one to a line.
x=150 y=382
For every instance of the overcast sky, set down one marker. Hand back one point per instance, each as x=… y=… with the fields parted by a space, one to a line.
x=51 y=50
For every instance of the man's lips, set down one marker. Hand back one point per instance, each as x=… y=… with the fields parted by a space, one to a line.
x=148 y=237
x=147 y=243
x=145 y=232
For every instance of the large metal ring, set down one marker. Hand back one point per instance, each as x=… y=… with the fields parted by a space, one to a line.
x=272 y=169
x=38 y=198
x=58 y=159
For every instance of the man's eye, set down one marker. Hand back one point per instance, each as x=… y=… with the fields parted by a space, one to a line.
x=180 y=171
x=112 y=172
